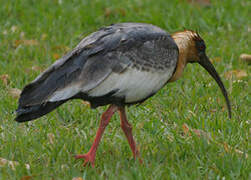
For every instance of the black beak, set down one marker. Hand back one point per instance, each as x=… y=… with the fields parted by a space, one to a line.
x=204 y=62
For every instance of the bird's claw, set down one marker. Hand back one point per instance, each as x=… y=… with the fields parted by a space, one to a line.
x=140 y=160
x=89 y=159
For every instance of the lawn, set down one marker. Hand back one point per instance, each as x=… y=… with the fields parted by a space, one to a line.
x=183 y=132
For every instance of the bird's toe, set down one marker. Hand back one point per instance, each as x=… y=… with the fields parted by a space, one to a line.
x=89 y=159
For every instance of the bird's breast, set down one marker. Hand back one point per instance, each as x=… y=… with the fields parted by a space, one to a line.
x=133 y=84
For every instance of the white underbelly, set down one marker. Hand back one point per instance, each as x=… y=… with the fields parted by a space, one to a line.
x=133 y=85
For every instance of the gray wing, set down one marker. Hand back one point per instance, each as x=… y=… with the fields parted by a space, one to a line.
x=110 y=50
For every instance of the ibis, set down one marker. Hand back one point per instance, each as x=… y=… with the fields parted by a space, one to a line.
x=118 y=65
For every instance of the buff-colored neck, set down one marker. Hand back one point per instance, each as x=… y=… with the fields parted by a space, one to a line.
x=184 y=43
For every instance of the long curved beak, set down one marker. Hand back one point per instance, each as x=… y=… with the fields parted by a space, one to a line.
x=205 y=63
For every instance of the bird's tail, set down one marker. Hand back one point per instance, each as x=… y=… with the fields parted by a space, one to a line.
x=32 y=112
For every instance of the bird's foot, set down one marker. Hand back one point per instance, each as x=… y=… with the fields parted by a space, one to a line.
x=140 y=160
x=137 y=156
x=89 y=158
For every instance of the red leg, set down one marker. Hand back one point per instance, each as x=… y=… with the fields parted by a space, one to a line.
x=90 y=156
x=127 y=128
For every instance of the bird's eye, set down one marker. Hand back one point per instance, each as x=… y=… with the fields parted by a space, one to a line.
x=201 y=46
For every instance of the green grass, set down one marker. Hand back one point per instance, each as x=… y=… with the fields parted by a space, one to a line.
x=166 y=152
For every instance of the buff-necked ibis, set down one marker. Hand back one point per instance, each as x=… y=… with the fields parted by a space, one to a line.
x=119 y=65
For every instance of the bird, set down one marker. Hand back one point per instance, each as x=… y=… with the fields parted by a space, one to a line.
x=119 y=65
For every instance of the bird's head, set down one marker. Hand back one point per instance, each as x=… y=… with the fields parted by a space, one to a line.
x=192 y=49
x=191 y=46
